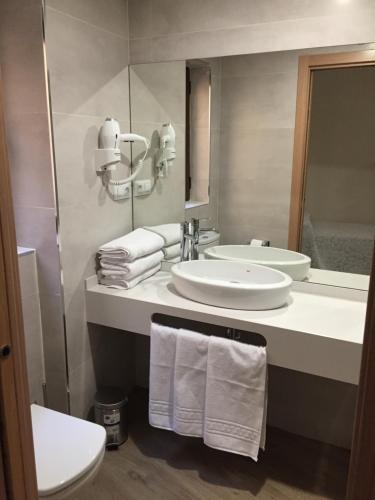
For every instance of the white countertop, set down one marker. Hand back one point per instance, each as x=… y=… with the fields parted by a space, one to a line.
x=319 y=332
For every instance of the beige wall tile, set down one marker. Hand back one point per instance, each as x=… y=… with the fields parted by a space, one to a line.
x=111 y=15
x=140 y=13
x=179 y=16
x=30 y=160
x=301 y=27
x=158 y=92
x=140 y=50
x=313 y=407
x=87 y=51
x=36 y=228
x=112 y=364
x=264 y=101
x=88 y=68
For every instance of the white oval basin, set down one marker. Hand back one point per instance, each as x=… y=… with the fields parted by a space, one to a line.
x=295 y=264
x=235 y=285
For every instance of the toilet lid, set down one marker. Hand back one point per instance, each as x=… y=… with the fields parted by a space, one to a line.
x=65 y=448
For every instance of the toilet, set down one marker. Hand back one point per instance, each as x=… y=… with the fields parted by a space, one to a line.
x=68 y=452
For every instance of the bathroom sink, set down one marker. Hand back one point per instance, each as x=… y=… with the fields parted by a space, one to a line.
x=295 y=264
x=235 y=285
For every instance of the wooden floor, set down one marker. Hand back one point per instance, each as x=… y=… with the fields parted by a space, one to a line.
x=155 y=464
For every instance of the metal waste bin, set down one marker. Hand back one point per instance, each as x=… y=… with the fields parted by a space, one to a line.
x=111 y=411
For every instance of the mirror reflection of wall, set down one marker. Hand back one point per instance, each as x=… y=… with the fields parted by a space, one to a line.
x=238 y=135
x=198 y=96
x=157 y=96
x=339 y=212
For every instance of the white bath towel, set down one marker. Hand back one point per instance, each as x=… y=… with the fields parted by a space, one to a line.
x=162 y=362
x=120 y=282
x=133 y=245
x=235 y=396
x=171 y=233
x=172 y=251
x=128 y=270
x=190 y=383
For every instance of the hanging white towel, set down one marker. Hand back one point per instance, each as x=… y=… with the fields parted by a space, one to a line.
x=190 y=383
x=172 y=251
x=133 y=245
x=129 y=270
x=171 y=233
x=162 y=363
x=235 y=396
x=120 y=282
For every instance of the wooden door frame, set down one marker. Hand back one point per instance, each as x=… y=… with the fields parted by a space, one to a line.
x=16 y=439
x=361 y=479
x=307 y=65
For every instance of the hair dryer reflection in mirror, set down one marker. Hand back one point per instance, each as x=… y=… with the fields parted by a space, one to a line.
x=167 y=150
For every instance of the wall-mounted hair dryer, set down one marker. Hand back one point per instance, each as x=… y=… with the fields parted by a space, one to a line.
x=109 y=155
x=167 y=152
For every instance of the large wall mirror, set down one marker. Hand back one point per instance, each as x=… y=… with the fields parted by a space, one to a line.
x=239 y=150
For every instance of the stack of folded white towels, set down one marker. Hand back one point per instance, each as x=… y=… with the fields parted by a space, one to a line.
x=209 y=387
x=171 y=234
x=126 y=261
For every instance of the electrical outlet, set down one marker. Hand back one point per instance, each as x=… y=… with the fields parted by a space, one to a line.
x=122 y=191
x=142 y=187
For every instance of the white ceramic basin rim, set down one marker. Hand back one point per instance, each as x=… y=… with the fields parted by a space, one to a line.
x=230 y=284
x=295 y=264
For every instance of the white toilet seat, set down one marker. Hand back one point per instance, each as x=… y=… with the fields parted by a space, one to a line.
x=68 y=492
x=68 y=451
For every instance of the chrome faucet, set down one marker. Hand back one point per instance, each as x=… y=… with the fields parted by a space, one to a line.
x=190 y=240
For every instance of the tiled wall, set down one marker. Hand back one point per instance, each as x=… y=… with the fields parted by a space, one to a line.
x=32 y=323
x=87 y=56
x=28 y=141
x=157 y=97
x=257 y=128
x=164 y=30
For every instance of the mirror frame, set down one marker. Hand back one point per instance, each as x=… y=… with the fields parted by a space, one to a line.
x=306 y=66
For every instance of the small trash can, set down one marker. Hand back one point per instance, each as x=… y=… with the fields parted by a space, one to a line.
x=111 y=411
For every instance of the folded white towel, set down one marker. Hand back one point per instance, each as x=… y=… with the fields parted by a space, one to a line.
x=172 y=251
x=129 y=270
x=235 y=396
x=190 y=383
x=120 y=282
x=162 y=362
x=171 y=233
x=133 y=245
